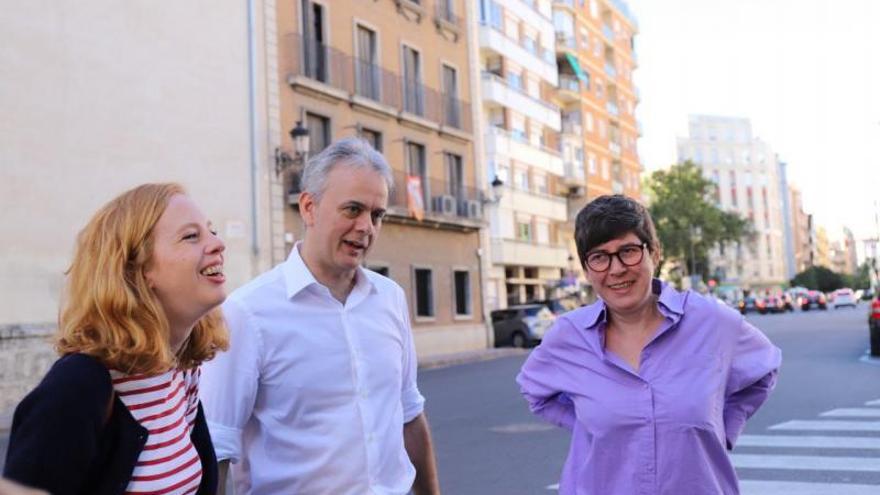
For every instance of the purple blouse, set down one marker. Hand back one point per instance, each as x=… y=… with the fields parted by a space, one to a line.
x=663 y=429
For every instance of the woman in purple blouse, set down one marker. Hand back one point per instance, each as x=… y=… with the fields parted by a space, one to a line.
x=654 y=384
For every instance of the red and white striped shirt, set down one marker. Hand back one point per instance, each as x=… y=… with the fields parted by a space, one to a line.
x=166 y=405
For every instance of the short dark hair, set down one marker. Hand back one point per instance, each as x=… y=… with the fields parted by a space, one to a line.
x=610 y=217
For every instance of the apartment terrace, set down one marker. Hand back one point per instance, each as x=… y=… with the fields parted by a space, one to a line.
x=331 y=73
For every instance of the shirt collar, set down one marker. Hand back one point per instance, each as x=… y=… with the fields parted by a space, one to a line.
x=297 y=275
x=670 y=303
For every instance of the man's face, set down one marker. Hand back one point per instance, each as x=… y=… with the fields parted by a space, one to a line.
x=345 y=222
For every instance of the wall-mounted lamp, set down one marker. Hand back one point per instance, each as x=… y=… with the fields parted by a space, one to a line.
x=497 y=190
x=283 y=159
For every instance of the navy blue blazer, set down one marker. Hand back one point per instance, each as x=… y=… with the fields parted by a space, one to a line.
x=62 y=441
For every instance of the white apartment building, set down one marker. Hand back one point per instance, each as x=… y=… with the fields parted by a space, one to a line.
x=745 y=169
x=520 y=124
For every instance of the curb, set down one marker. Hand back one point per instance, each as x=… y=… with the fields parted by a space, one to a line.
x=454 y=359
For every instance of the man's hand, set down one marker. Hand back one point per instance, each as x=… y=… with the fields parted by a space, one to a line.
x=417 y=440
x=222 y=472
x=9 y=488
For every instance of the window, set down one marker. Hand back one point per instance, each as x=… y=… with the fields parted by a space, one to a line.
x=451 y=113
x=366 y=66
x=314 y=41
x=542 y=233
x=541 y=184
x=589 y=121
x=514 y=79
x=521 y=179
x=424 y=293
x=591 y=161
x=523 y=231
x=416 y=166
x=372 y=137
x=413 y=98
x=319 y=132
x=454 y=175
x=462 y=292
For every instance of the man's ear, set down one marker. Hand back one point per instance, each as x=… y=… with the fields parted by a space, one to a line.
x=307 y=207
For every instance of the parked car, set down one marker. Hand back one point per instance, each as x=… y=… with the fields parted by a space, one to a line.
x=787 y=301
x=749 y=303
x=874 y=326
x=772 y=304
x=521 y=325
x=844 y=297
x=813 y=299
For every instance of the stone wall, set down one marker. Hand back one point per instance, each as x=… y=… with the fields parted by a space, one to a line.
x=25 y=355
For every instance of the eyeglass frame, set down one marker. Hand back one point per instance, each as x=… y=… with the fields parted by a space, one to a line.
x=611 y=256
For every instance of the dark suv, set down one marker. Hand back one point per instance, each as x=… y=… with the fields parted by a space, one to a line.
x=521 y=325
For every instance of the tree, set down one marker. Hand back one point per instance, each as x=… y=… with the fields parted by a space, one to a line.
x=818 y=278
x=681 y=198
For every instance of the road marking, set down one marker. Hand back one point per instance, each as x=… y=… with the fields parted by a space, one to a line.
x=810 y=442
x=522 y=428
x=806 y=462
x=827 y=425
x=853 y=412
x=554 y=486
x=749 y=487
x=873 y=403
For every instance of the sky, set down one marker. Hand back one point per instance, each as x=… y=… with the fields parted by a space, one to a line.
x=805 y=72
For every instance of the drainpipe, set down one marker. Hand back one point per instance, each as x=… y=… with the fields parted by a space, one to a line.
x=252 y=121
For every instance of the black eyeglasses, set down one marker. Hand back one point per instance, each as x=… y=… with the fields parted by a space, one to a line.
x=629 y=255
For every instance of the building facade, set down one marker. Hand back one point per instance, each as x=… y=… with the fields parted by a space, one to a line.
x=398 y=74
x=800 y=227
x=745 y=171
x=105 y=97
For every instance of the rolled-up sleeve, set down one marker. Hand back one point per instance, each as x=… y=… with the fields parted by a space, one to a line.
x=753 y=371
x=229 y=383
x=411 y=399
x=540 y=382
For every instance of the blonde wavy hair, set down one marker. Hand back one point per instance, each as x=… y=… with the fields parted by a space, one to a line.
x=109 y=310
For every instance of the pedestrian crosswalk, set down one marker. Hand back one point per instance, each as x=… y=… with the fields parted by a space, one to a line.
x=840 y=450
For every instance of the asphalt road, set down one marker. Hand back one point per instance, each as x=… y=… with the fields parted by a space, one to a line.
x=488 y=443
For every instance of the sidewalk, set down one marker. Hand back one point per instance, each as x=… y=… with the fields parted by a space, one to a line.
x=456 y=358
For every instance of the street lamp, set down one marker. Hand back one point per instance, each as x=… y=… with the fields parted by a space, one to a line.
x=283 y=159
x=497 y=190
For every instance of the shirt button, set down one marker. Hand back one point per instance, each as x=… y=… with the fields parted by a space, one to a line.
x=646 y=386
x=650 y=469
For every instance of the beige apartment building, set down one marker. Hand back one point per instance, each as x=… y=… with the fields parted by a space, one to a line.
x=800 y=226
x=398 y=74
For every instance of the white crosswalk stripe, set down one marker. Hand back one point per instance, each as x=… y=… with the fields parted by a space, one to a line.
x=853 y=412
x=821 y=439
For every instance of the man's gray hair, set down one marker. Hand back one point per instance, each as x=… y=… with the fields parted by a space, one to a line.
x=350 y=152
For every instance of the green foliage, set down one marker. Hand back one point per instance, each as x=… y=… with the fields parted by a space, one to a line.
x=819 y=278
x=862 y=278
x=681 y=198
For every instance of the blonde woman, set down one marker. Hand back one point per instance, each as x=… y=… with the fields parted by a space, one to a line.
x=119 y=411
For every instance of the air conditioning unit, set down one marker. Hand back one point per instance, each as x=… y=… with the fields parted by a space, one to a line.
x=444 y=205
x=473 y=209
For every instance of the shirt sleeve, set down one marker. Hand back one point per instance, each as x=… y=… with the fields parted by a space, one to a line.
x=540 y=382
x=228 y=383
x=753 y=372
x=411 y=399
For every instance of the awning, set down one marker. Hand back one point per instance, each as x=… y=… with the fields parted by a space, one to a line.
x=576 y=67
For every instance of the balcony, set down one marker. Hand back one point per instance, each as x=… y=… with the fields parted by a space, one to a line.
x=540 y=61
x=615 y=149
x=572 y=128
x=544 y=205
x=496 y=89
x=517 y=252
x=608 y=33
x=503 y=142
x=569 y=88
x=574 y=173
x=441 y=201
x=318 y=68
x=610 y=70
x=612 y=108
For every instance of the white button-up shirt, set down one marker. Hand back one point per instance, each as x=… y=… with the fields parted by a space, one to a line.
x=312 y=396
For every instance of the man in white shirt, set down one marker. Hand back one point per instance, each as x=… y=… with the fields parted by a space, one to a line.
x=317 y=393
